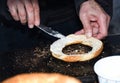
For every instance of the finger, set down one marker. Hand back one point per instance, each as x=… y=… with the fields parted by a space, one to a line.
x=36 y=12
x=30 y=13
x=95 y=27
x=108 y=20
x=93 y=18
x=95 y=32
x=80 y=32
x=100 y=36
x=103 y=27
x=86 y=24
x=13 y=9
x=21 y=11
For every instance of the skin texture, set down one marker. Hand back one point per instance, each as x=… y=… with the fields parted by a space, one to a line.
x=25 y=11
x=94 y=19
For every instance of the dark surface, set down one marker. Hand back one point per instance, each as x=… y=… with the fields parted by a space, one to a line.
x=39 y=59
x=14 y=35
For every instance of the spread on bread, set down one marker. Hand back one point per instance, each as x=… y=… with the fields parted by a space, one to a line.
x=56 y=48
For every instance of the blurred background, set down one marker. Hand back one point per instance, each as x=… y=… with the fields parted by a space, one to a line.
x=115 y=22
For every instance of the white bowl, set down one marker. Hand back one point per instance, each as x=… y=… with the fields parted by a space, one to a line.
x=108 y=69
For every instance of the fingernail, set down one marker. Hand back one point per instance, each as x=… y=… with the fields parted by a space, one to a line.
x=88 y=34
x=37 y=23
x=31 y=26
x=16 y=18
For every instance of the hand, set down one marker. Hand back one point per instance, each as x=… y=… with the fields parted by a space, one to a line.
x=94 y=19
x=25 y=11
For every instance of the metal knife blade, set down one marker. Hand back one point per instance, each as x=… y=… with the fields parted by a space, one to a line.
x=50 y=31
x=114 y=34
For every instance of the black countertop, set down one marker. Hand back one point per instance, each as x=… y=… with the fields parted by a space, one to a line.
x=39 y=59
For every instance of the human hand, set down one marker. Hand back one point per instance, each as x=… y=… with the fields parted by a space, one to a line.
x=94 y=19
x=25 y=11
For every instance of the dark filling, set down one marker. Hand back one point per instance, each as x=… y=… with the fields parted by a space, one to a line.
x=76 y=49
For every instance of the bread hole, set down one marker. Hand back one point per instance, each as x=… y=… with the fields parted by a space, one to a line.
x=76 y=49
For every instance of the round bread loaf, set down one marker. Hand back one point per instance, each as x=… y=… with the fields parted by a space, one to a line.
x=57 y=47
x=42 y=78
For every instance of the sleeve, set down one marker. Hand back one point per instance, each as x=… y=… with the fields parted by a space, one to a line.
x=107 y=5
x=77 y=5
x=4 y=13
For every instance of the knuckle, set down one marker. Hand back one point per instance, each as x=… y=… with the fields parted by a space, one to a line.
x=37 y=9
x=22 y=15
x=30 y=21
x=23 y=21
x=30 y=9
x=12 y=10
x=13 y=14
x=23 y=18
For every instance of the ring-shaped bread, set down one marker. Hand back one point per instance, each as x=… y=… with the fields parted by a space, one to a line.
x=42 y=78
x=57 y=47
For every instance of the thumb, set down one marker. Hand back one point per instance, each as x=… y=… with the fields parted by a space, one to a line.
x=87 y=26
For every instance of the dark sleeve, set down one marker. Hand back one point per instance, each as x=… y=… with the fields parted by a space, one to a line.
x=4 y=13
x=77 y=5
x=107 y=5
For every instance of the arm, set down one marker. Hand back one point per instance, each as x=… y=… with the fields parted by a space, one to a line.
x=25 y=11
x=20 y=10
x=77 y=4
x=107 y=5
x=94 y=18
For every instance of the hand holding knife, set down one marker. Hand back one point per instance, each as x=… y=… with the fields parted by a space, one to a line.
x=50 y=31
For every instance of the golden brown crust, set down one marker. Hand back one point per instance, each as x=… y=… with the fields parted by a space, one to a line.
x=57 y=46
x=42 y=78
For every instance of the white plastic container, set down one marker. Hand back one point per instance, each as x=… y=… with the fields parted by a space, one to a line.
x=108 y=69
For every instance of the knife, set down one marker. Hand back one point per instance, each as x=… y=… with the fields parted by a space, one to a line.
x=57 y=34
x=50 y=31
x=114 y=34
